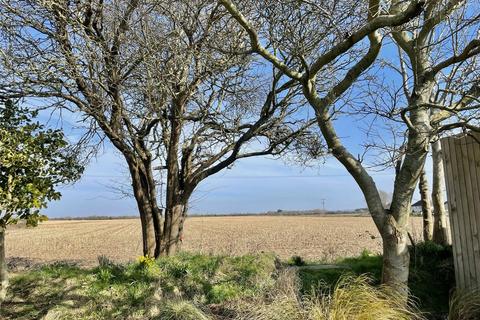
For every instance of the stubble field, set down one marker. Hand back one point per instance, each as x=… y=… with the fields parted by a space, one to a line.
x=311 y=237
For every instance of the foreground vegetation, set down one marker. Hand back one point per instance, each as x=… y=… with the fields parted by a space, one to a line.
x=191 y=286
x=431 y=281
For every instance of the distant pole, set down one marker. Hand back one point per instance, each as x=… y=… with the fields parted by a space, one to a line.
x=323 y=203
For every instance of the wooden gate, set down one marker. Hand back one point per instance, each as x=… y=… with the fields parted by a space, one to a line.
x=461 y=155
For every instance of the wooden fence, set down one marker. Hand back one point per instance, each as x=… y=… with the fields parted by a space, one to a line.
x=461 y=155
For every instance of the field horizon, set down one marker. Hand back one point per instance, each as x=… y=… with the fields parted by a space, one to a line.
x=279 y=212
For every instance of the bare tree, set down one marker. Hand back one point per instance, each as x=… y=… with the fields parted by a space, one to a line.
x=440 y=75
x=438 y=56
x=160 y=81
x=416 y=39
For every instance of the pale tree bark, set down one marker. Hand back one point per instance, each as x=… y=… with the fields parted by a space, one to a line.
x=441 y=226
x=396 y=256
x=3 y=267
x=391 y=224
x=427 y=217
x=417 y=117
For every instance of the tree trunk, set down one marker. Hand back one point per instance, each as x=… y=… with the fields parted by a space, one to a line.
x=175 y=214
x=396 y=258
x=441 y=228
x=148 y=183
x=426 y=207
x=148 y=227
x=148 y=209
x=176 y=197
x=392 y=224
x=3 y=267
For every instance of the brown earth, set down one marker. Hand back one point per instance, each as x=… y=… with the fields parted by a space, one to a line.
x=311 y=237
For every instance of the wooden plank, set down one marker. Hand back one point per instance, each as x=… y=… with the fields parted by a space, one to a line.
x=452 y=213
x=462 y=223
x=475 y=165
x=464 y=218
x=469 y=205
x=458 y=213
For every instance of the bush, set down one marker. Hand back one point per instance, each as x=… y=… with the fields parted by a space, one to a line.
x=227 y=292
x=146 y=262
x=432 y=276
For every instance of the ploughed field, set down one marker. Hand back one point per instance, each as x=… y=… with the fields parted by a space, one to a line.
x=311 y=237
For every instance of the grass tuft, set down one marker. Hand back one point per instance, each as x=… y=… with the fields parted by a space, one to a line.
x=181 y=310
x=465 y=306
x=353 y=298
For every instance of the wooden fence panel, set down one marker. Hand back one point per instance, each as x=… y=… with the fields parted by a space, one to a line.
x=461 y=156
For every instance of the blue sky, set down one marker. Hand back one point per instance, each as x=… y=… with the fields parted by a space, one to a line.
x=252 y=185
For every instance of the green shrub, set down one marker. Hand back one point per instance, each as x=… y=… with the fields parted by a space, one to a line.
x=367 y=263
x=431 y=279
x=146 y=262
x=104 y=274
x=432 y=276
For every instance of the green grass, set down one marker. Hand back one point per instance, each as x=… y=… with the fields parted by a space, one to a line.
x=137 y=290
x=367 y=263
x=193 y=286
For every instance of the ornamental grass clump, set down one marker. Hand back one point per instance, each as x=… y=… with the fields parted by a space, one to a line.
x=353 y=298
